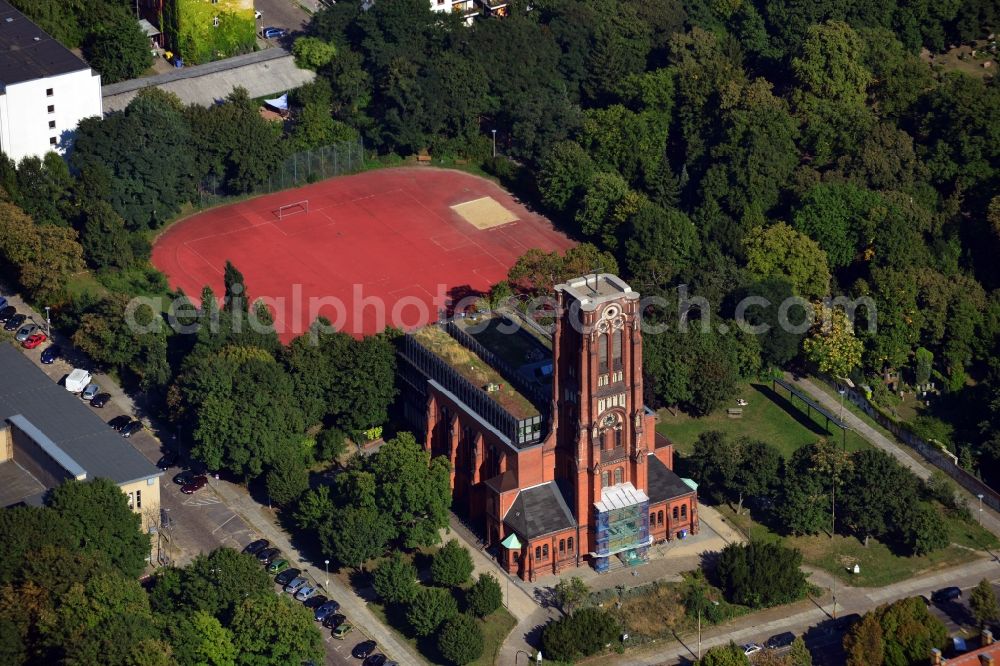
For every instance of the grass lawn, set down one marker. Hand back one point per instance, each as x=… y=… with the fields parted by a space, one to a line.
x=879 y=565
x=769 y=417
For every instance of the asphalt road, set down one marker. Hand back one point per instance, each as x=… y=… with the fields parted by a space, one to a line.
x=286 y=14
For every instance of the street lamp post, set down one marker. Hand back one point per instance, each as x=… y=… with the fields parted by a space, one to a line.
x=980 y=496
x=537 y=659
x=48 y=323
x=326 y=566
x=494 y=143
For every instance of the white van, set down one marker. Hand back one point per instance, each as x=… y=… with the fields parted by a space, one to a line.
x=77 y=380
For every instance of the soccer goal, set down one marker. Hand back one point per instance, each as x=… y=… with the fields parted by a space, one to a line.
x=292 y=209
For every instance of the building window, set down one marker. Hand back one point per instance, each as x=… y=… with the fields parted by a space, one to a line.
x=53 y=141
x=538 y=552
x=618 y=438
x=49 y=92
x=619 y=475
x=675 y=513
x=652 y=519
x=52 y=108
x=616 y=349
x=138 y=499
x=52 y=124
x=569 y=545
x=604 y=479
x=562 y=547
x=545 y=551
x=131 y=501
x=659 y=517
x=602 y=352
x=515 y=556
x=602 y=404
x=684 y=510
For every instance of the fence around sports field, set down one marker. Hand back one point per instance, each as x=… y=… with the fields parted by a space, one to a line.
x=300 y=168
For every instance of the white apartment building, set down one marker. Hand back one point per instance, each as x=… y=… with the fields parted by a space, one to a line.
x=45 y=90
x=467 y=8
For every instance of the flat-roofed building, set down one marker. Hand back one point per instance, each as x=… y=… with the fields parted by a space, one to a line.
x=48 y=436
x=45 y=90
x=555 y=457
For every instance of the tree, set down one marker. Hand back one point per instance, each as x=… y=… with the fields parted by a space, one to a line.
x=863 y=643
x=118 y=48
x=661 y=244
x=759 y=308
x=143 y=193
x=563 y=176
x=314 y=507
x=923 y=360
x=799 y=654
x=272 y=629
x=579 y=634
x=106 y=242
x=312 y=52
x=539 y=272
x=485 y=595
x=724 y=655
x=923 y=529
x=783 y=253
x=760 y=574
x=287 y=479
x=99 y=520
x=431 y=607
x=42 y=189
x=983 y=603
x=839 y=217
x=414 y=489
x=356 y=535
x=330 y=444
x=199 y=639
x=215 y=582
x=395 y=580
x=452 y=565
x=596 y=216
x=571 y=593
x=461 y=640
x=42 y=258
x=832 y=345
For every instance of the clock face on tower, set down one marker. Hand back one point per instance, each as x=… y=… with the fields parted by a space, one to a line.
x=609 y=420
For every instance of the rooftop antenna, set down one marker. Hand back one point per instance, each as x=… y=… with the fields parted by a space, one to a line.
x=595 y=273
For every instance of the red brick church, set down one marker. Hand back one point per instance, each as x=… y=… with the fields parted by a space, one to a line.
x=555 y=457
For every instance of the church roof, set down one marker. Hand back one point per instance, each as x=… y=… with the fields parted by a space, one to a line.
x=663 y=483
x=538 y=511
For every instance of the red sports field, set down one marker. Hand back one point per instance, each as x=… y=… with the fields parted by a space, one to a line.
x=381 y=247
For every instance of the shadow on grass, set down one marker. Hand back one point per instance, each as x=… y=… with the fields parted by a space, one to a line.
x=791 y=409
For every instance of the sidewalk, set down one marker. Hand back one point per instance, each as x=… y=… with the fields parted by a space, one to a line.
x=900 y=452
x=353 y=606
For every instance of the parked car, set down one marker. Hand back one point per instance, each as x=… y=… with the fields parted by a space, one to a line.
x=91 y=391
x=34 y=340
x=315 y=601
x=295 y=584
x=77 y=380
x=120 y=422
x=51 y=353
x=277 y=566
x=751 y=648
x=183 y=478
x=334 y=620
x=779 y=641
x=946 y=594
x=14 y=322
x=255 y=547
x=271 y=32
x=267 y=556
x=100 y=400
x=3 y=302
x=375 y=660
x=131 y=429
x=325 y=610
x=286 y=576
x=167 y=460
x=6 y=312
x=306 y=592
x=26 y=331
x=341 y=630
x=363 y=649
x=194 y=485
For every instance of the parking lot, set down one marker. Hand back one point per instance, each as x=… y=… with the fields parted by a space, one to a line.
x=286 y=14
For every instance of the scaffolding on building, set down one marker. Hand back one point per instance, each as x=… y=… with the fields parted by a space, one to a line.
x=621 y=526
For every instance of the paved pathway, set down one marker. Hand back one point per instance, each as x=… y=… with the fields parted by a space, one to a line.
x=900 y=452
x=353 y=606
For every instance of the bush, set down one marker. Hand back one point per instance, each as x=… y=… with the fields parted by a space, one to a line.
x=725 y=655
x=452 y=565
x=760 y=574
x=461 y=640
x=580 y=634
x=330 y=444
x=431 y=607
x=485 y=596
x=395 y=580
